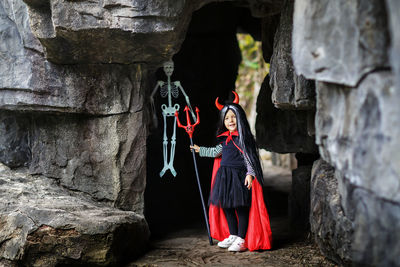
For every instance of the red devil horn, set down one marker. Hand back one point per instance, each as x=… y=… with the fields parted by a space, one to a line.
x=236 y=100
x=218 y=105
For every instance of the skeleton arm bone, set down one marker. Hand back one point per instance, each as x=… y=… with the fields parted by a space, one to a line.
x=177 y=83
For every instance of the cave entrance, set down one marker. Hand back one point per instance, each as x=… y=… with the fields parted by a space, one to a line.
x=208 y=66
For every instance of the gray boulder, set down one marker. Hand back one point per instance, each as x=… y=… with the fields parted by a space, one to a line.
x=43 y=224
x=339 y=41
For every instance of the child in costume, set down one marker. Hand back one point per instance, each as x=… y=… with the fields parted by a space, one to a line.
x=237 y=213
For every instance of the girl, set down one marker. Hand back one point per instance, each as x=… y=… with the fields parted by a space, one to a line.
x=237 y=211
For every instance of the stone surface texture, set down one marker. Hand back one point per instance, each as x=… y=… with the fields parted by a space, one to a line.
x=283 y=131
x=359 y=137
x=44 y=224
x=29 y=82
x=330 y=226
x=356 y=134
x=339 y=41
x=344 y=46
x=88 y=31
x=104 y=157
x=393 y=10
x=289 y=90
x=376 y=225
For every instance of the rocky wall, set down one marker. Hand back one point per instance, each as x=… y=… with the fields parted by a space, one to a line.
x=285 y=112
x=92 y=152
x=363 y=146
x=346 y=43
x=356 y=131
x=103 y=157
x=73 y=89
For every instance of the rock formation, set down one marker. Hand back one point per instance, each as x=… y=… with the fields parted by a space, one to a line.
x=44 y=224
x=345 y=46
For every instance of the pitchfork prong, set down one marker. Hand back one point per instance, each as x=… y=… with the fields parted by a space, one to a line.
x=189 y=128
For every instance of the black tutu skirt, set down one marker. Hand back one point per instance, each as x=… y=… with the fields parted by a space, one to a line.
x=229 y=190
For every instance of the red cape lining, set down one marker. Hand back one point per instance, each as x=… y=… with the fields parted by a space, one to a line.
x=259 y=235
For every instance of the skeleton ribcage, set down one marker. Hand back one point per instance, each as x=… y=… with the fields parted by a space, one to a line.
x=174 y=90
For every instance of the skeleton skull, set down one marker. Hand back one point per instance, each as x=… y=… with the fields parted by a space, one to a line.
x=169 y=68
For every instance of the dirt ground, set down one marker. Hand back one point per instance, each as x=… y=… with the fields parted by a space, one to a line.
x=190 y=246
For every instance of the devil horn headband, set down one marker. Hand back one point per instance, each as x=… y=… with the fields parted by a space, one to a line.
x=219 y=106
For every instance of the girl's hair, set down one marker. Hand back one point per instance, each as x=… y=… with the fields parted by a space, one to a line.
x=246 y=138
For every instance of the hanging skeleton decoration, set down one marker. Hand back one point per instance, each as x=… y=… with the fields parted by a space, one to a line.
x=169 y=89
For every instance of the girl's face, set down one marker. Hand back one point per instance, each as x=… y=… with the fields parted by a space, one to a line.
x=230 y=121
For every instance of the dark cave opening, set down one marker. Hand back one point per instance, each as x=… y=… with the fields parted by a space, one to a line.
x=207 y=67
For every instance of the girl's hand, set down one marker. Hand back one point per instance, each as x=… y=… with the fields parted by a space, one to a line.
x=248 y=181
x=196 y=148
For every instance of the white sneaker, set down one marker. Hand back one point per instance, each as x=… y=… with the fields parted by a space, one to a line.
x=227 y=242
x=238 y=245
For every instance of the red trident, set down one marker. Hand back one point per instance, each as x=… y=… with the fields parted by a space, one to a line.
x=189 y=128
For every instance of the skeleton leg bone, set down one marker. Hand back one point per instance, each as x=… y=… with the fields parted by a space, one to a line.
x=172 y=152
x=165 y=144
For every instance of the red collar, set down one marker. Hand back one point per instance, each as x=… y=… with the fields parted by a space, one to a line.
x=229 y=134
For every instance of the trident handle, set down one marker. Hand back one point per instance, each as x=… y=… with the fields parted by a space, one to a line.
x=189 y=128
x=201 y=195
